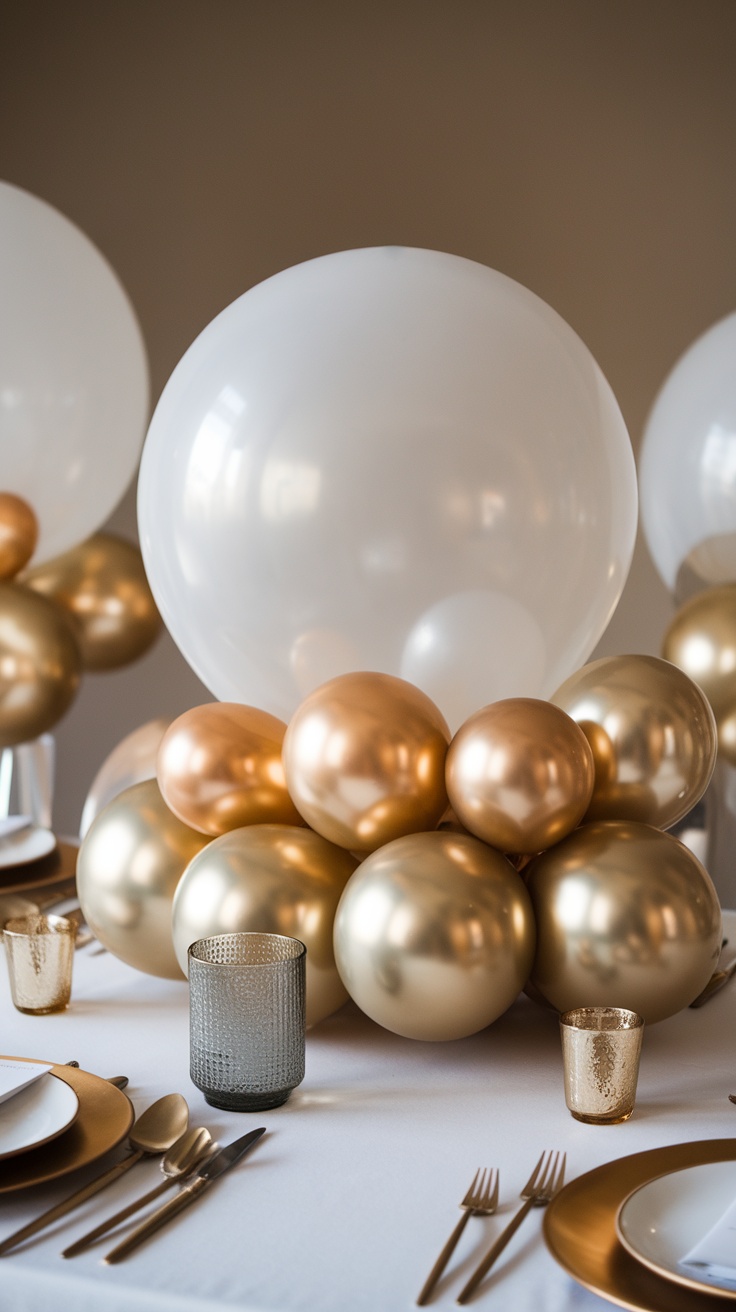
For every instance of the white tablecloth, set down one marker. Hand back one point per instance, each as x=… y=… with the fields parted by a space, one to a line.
x=345 y=1203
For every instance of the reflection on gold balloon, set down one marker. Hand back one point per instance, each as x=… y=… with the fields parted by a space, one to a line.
x=626 y=917
x=520 y=774
x=701 y=640
x=269 y=879
x=219 y=768
x=364 y=757
x=40 y=664
x=18 y=534
x=434 y=936
x=128 y=867
x=661 y=735
x=103 y=584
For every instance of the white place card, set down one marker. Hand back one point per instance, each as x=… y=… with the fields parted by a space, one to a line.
x=17 y=1075
x=713 y=1259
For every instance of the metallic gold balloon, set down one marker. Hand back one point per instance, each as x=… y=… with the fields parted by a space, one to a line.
x=103 y=584
x=219 y=768
x=273 y=879
x=434 y=936
x=130 y=762
x=626 y=917
x=129 y=864
x=520 y=774
x=18 y=534
x=657 y=756
x=364 y=757
x=40 y=664
x=701 y=640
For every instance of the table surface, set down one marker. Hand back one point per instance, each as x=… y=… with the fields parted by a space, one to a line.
x=352 y=1192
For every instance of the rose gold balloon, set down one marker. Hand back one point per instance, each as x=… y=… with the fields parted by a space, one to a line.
x=103 y=585
x=434 y=935
x=18 y=534
x=364 y=757
x=129 y=864
x=701 y=640
x=40 y=664
x=626 y=917
x=219 y=767
x=273 y=879
x=660 y=733
x=520 y=774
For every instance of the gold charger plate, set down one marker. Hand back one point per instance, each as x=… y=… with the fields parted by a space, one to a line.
x=105 y=1115
x=58 y=868
x=580 y=1230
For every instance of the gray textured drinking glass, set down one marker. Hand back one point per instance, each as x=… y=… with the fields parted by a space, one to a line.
x=247 y=1019
x=601 y=1047
x=40 y=952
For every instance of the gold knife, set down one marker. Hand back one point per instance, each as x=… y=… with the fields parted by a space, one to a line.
x=214 y=1167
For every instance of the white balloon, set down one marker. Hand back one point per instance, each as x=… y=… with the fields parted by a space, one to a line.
x=74 y=391
x=358 y=439
x=687 y=463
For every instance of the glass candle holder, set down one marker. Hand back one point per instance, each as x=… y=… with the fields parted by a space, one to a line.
x=601 y=1047
x=247 y=1018
x=40 y=953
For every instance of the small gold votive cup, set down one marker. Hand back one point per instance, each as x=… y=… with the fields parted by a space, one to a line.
x=601 y=1047
x=40 y=952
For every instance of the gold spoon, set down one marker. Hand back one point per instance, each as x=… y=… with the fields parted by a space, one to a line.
x=155 y=1130
x=180 y=1160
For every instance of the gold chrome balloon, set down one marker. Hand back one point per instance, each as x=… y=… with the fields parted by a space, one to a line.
x=103 y=584
x=272 y=879
x=520 y=774
x=364 y=757
x=219 y=768
x=40 y=664
x=129 y=864
x=626 y=917
x=701 y=640
x=18 y=534
x=660 y=744
x=434 y=935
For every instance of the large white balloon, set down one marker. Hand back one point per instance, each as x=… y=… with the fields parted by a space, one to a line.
x=369 y=449
x=74 y=393
x=687 y=463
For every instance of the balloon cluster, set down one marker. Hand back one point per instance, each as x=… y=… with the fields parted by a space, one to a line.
x=88 y=609
x=74 y=382
x=432 y=876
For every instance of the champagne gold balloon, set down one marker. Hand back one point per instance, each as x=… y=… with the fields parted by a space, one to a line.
x=660 y=744
x=626 y=917
x=40 y=664
x=272 y=879
x=103 y=584
x=130 y=762
x=701 y=640
x=18 y=534
x=129 y=864
x=520 y=774
x=434 y=936
x=364 y=757
x=219 y=768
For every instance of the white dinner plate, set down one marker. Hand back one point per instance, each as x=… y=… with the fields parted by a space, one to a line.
x=36 y=1115
x=661 y=1221
x=26 y=845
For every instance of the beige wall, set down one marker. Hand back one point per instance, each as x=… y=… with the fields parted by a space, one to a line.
x=586 y=148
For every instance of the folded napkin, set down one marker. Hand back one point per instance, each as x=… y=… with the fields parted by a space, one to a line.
x=713 y=1258
x=13 y=824
x=17 y=1075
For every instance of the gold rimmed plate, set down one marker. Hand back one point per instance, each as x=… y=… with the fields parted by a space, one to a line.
x=103 y=1119
x=580 y=1230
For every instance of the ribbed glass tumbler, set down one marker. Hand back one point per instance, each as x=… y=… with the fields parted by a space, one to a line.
x=247 y=1019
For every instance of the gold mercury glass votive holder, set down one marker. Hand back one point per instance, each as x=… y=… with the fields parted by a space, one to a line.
x=40 y=952
x=601 y=1047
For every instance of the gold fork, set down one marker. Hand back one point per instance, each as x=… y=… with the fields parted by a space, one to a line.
x=481 y=1198
x=543 y=1183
